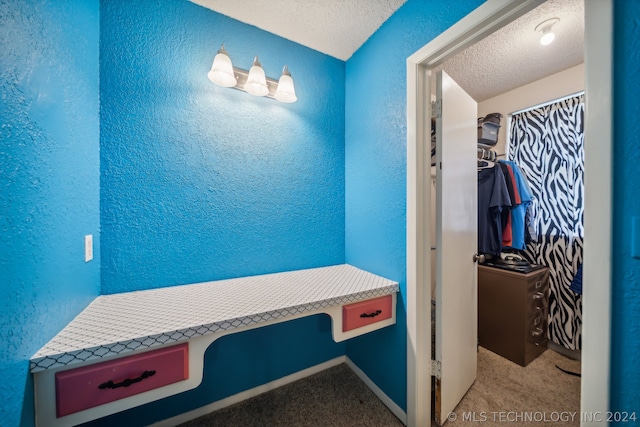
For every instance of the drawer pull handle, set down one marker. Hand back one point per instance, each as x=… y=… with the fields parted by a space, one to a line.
x=537 y=332
x=538 y=295
x=127 y=382
x=374 y=314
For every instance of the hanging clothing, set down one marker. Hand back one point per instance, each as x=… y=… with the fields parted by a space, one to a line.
x=506 y=213
x=493 y=198
x=510 y=176
x=576 y=283
x=507 y=231
x=506 y=172
x=531 y=233
x=519 y=208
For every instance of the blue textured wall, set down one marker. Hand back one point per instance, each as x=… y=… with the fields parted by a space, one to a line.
x=49 y=182
x=49 y=170
x=625 y=369
x=200 y=182
x=376 y=146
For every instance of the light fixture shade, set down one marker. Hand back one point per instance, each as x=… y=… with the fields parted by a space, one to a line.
x=546 y=28
x=256 y=81
x=222 y=70
x=286 y=92
x=547 y=38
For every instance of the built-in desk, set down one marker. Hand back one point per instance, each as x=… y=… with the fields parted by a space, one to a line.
x=117 y=334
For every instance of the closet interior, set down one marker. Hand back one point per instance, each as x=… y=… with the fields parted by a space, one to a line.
x=530 y=168
x=512 y=291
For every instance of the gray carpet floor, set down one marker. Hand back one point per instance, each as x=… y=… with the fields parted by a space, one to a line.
x=334 y=397
x=502 y=392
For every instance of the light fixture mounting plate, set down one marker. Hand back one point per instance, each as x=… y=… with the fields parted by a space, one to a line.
x=547 y=24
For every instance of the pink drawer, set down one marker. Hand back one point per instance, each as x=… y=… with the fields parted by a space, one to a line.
x=366 y=312
x=89 y=386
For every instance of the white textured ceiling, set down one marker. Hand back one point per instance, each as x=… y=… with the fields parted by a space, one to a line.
x=513 y=55
x=504 y=60
x=334 y=27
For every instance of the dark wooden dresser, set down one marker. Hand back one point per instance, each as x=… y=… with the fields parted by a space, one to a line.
x=512 y=312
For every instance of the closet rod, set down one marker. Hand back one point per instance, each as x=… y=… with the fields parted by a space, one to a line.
x=485 y=154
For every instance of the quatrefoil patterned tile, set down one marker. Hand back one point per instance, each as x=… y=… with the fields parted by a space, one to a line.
x=122 y=323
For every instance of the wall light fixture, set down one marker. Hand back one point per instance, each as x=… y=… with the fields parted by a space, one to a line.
x=545 y=28
x=254 y=81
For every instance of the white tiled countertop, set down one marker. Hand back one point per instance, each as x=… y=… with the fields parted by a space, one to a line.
x=121 y=323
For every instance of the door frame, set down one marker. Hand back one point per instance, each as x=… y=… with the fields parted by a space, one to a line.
x=596 y=326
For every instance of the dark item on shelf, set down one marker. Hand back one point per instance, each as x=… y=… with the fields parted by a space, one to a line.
x=493 y=118
x=488 y=127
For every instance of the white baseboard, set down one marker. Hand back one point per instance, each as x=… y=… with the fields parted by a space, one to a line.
x=247 y=394
x=389 y=403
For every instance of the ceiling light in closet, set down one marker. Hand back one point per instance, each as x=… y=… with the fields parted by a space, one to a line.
x=254 y=81
x=545 y=27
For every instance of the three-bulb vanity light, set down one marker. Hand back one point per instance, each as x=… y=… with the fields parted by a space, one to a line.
x=254 y=81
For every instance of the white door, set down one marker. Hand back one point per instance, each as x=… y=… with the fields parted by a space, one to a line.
x=456 y=245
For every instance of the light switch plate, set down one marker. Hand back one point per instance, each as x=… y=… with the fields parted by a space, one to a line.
x=88 y=247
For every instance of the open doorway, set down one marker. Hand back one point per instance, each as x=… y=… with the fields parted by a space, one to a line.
x=481 y=22
x=516 y=81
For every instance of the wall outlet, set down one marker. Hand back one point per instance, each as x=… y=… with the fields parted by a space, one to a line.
x=88 y=247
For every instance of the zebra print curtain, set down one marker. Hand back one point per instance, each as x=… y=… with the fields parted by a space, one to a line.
x=547 y=143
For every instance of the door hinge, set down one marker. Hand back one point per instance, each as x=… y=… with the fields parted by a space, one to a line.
x=436 y=368
x=436 y=109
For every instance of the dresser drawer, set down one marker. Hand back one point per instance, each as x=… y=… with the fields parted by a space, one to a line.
x=83 y=388
x=537 y=302
x=536 y=330
x=538 y=282
x=538 y=292
x=366 y=312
